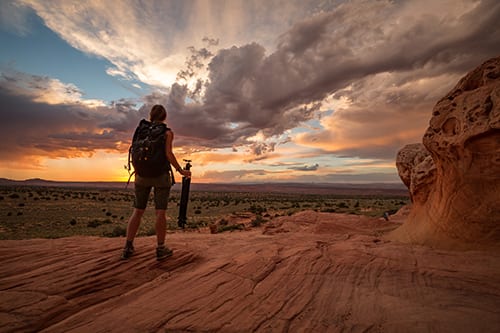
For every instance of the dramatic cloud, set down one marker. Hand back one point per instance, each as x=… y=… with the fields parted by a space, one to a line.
x=40 y=117
x=386 y=58
x=245 y=176
x=236 y=75
x=147 y=40
x=305 y=167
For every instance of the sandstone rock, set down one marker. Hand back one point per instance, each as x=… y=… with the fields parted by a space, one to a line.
x=417 y=170
x=455 y=186
x=329 y=273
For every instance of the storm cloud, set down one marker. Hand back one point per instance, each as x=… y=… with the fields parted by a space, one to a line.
x=374 y=54
x=368 y=71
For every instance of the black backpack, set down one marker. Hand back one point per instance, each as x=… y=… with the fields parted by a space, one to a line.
x=147 y=152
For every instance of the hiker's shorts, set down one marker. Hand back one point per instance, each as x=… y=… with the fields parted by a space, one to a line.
x=143 y=187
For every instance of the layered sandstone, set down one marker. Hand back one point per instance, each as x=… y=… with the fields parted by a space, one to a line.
x=454 y=176
x=310 y=272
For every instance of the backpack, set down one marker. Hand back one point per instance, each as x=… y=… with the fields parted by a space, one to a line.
x=147 y=151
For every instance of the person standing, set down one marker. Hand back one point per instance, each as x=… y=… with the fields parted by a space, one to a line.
x=161 y=184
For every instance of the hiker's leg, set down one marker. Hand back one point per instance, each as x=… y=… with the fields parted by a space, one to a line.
x=140 y=203
x=133 y=223
x=161 y=201
x=162 y=252
x=161 y=226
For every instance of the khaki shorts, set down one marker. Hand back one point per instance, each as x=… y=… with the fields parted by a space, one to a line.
x=161 y=185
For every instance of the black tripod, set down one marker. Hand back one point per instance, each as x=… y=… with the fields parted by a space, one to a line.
x=186 y=182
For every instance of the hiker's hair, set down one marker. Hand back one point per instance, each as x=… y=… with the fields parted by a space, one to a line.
x=158 y=113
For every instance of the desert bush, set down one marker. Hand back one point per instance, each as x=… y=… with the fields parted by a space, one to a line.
x=256 y=209
x=118 y=231
x=149 y=231
x=257 y=221
x=342 y=205
x=231 y=227
x=198 y=211
x=14 y=196
x=72 y=222
x=93 y=224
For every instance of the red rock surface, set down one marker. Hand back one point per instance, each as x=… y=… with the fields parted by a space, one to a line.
x=311 y=272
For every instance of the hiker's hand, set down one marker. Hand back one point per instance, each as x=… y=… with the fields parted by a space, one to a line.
x=185 y=173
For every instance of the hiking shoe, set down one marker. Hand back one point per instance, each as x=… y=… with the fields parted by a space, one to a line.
x=128 y=251
x=163 y=252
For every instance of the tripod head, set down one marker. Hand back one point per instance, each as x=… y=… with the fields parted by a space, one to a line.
x=188 y=164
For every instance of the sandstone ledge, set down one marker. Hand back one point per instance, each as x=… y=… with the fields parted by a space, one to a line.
x=320 y=273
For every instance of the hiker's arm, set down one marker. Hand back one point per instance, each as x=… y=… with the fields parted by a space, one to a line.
x=171 y=156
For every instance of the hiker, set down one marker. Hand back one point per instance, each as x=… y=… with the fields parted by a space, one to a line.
x=161 y=184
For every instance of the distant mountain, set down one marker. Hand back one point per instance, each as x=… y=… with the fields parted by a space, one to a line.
x=303 y=188
x=52 y=183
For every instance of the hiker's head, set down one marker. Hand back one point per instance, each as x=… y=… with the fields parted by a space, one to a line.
x=158 y=113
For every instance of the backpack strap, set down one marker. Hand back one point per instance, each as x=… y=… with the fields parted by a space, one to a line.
x=129 y=162
x=170 y=171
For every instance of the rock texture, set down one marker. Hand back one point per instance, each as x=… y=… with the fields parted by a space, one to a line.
x=454 y=177
x=311 y=272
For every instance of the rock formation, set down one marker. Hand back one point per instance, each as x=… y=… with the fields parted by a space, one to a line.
x=309 y=272
x=454 y=176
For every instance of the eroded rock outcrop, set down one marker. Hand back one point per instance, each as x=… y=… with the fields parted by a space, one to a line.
x=454 y=176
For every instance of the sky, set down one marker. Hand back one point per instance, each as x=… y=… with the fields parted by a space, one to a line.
x=312 y=91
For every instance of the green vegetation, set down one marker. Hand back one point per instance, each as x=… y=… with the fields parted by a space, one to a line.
x=44 y=212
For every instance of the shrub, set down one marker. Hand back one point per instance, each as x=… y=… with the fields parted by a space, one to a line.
x=93 y=224
x=14 y=196
x=118 y=231
x=149 y=231
x=257 y=221
x=231 y=227
x=257 y=209
x=342 y=205
x=197 y=211
x=72 y=222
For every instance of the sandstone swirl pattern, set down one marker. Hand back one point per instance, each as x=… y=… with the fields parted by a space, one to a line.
x=311 y=272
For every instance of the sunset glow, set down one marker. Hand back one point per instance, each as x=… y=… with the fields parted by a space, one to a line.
x=279 y=91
